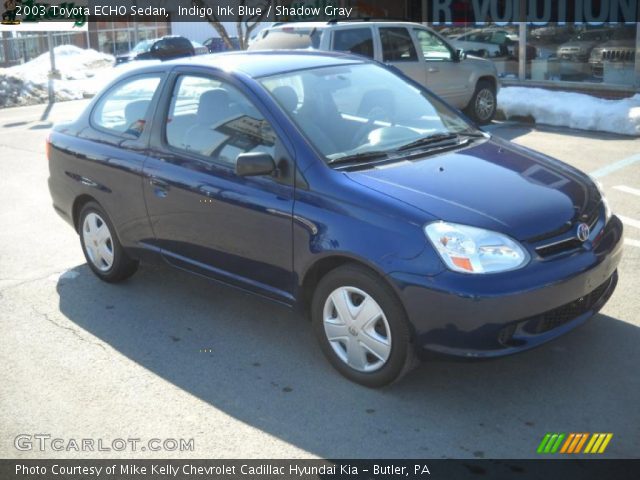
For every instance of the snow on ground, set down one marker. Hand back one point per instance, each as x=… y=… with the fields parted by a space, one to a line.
x=574 y=110
x=83 y=72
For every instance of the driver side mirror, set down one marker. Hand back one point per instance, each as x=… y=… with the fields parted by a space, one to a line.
x=459 y=55
x=253 y=164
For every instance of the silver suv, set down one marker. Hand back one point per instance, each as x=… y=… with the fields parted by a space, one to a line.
x=466 y=82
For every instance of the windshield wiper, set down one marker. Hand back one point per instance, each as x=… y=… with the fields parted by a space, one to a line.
x=358 y=157
x=438 y=138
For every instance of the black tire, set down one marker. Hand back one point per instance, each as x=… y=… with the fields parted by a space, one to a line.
x=401 y=358
x=485 y=92
x=122 y=266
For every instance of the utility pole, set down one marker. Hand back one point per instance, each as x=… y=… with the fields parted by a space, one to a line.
x=53 y=73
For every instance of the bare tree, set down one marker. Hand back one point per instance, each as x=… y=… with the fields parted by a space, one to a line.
x=245 y=24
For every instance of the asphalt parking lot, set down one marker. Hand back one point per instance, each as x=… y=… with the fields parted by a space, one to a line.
x=168 y=355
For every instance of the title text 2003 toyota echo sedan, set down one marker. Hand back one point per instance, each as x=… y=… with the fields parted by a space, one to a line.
x=330 y=182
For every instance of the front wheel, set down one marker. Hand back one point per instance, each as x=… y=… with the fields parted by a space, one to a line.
x=483 y=104
x=101 y=247
x=361 y=326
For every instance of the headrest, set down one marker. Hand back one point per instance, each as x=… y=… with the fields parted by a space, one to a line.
x=213 y=105
x=287 y=98
x=135 y=111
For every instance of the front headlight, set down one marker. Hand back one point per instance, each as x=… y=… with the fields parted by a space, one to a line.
x=605 y=202
x=475 y=250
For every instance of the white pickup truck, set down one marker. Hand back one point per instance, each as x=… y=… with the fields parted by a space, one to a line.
x=467 y=82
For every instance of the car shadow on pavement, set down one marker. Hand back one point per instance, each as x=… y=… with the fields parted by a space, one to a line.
x=258 y=362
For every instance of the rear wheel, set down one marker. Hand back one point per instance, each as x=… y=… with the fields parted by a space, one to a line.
x=483 y=104
x=361 y=326
x=101 y=247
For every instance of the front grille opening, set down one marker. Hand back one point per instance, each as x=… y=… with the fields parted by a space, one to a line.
x=570 y=244
x=561 y=315
x=560 y=247
x=554 y=318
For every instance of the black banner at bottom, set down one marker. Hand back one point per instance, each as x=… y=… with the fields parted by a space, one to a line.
x=319 y=469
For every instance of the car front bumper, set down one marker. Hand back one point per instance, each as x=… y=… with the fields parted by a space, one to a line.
x=501 y=314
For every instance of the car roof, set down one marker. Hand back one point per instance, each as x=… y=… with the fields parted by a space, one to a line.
x=261 y=63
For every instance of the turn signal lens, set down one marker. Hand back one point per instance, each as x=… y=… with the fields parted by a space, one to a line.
x=475 y=250
x=47 y=146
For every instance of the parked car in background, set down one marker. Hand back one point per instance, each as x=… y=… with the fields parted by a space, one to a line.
x=217 y=44
x=421 y=54
x=620 y=49
x=165 y=48
x=579 y=47
x=484 y=43
x=555 y=34
x=329 y=182
x=199 y=48
x=491 y=43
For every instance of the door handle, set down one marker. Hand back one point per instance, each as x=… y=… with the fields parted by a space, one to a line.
x=161 y=187
x=88 y=182
x=158 y=182
x=209 y=190
x=433 y=70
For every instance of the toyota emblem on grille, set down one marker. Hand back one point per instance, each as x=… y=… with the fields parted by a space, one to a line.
x=583 y=232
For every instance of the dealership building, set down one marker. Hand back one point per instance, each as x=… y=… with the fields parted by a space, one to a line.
x=594 y=50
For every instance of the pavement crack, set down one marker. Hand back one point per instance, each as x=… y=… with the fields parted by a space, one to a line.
x=48 y=318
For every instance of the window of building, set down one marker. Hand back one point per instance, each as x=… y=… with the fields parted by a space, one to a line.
x=595 y=55
x=123 y=109
x=603 y=55
x=213 y=119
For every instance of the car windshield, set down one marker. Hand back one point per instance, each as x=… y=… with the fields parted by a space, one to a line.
x=143 y=46
x=362 y=110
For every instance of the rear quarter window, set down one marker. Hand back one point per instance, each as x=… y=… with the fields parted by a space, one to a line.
x=354 y=40
x=123 y=109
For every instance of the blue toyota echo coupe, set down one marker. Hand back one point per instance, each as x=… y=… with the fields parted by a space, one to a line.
x=334 y=184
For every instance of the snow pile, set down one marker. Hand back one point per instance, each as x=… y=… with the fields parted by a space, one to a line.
x=72 y=62
x=83 y=72
x=574 y=110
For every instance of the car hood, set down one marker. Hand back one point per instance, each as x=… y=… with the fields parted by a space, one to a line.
x=628 y=43
x=482 y=64
x=578 y=43
x=492 y=184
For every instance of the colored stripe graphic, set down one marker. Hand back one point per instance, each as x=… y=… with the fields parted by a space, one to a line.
x=581 y=443
x=594 y=437
x=565 y=447
x=572 y=443
x=543 y=443
x=551 y=443
x=598 y=443
x=604 y=445
x=556 y=445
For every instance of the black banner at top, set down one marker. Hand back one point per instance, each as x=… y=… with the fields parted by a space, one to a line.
x=444 y=12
